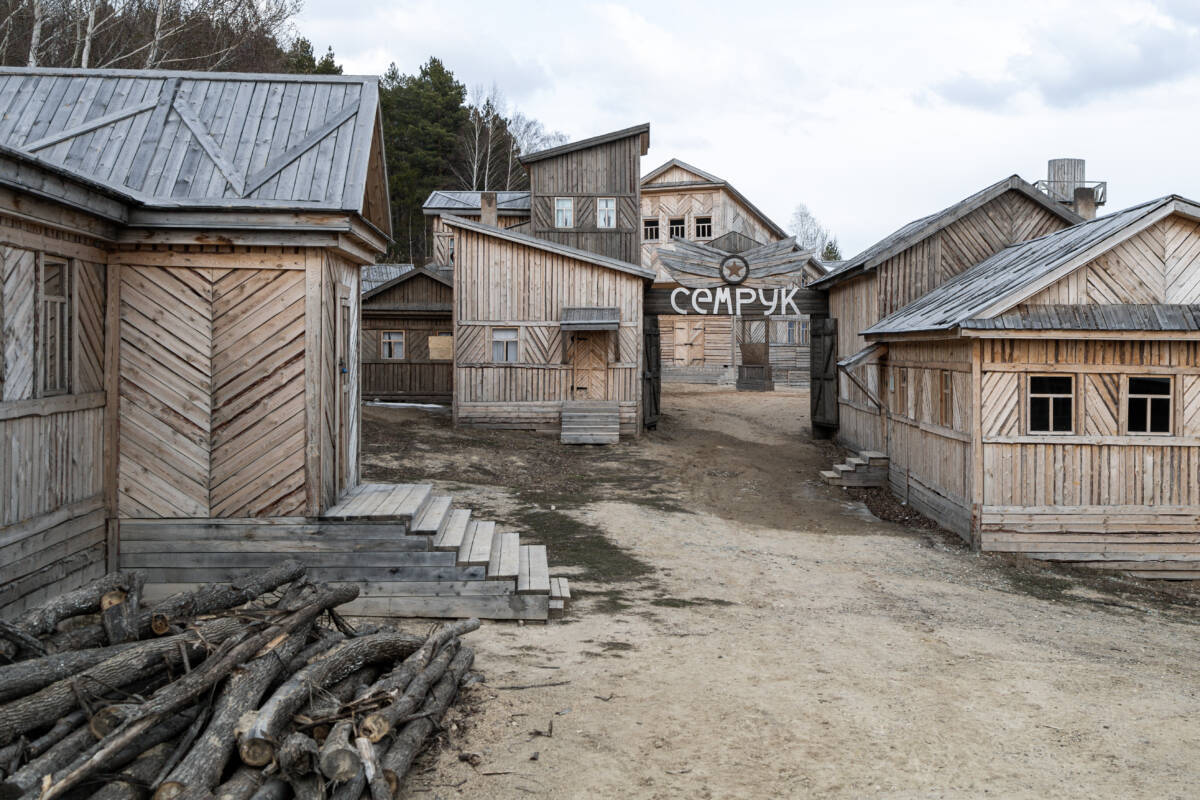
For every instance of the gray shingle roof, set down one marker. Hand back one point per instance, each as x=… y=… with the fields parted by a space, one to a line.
x=1123 y=317
x=198 y=140
x=924 y=227
x=1013 y=270
x=442 y=201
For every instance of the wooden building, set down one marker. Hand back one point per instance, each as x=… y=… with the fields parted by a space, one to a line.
x=407 y=333
x=180 y=256
x=1046 y=401
x=897 y=270
x=507 y=209
x=682 y=203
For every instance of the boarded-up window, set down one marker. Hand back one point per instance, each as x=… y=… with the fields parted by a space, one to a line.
x=504 y=345
x=606 y=212
x=1051 y=403
x=564 y=212
x=56 y=332
x=391 y=345
x=1149 y=405
x=441 y=346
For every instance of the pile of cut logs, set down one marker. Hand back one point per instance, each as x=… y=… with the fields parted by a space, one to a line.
x=251 y=689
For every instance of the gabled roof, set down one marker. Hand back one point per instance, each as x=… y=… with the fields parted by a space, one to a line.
x=510 y=235
x=996 y=284
x=642 y=130
x=1117 y=317
x=377 y=278
x=191 y=140
x=706 y=179
x=441 y=201
x=922 y=228
x=696 y=265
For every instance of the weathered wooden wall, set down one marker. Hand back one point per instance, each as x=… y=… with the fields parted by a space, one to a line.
x=420 y=306
x=500 y=283
x=52 y=488
x=610 y=169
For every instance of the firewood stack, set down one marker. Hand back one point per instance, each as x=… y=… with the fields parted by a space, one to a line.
x=231 y=691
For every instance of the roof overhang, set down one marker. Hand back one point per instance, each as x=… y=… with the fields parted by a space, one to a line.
x=642 y=131
x=591 y=318
x=407 y=276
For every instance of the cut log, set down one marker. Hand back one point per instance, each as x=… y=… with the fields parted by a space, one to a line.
x=396 y=681
x=187 y=605
x=298 y=756
x=206 y=761
x=24 y=644
x=119 y=613
x=408 y=743
x=322 y=645
x=257 y=747
x=186 y=689
x=339 y=759
x=139 y=661
x=327 y=702
x=351 y=789
x=42 y=621
x=273 y=789
x=33 y=674
x=131 y=782
x=380 y=723
x=308 y=787
x=64 y=752
x=372 y=773
x=242 y=785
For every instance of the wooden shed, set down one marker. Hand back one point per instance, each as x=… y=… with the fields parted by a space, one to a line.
x=1047 y=400
x=898 y=269
x=545 y=335
x=407 y=333
x=180 y=256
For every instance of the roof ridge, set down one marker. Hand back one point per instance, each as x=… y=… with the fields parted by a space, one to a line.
x=284 y=77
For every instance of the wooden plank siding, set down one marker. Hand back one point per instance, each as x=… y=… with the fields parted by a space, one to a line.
x=420 y=307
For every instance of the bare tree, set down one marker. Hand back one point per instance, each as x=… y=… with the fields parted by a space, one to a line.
x=809 y=232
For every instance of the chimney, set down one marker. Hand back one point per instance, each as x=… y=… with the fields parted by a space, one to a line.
x=1066 y=181
x=488 y=214
x=1084 y=202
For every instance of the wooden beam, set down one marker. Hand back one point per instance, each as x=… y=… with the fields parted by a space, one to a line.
x=188 y=114
x=90 y=125
x=279 y=162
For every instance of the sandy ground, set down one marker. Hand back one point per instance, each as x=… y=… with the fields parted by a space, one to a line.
x=740 y=630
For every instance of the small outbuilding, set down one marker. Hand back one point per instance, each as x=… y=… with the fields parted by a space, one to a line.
x=407 y=333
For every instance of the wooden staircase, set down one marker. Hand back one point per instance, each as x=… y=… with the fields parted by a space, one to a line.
x=485 y=572
x=590 y=422
x=868 y=468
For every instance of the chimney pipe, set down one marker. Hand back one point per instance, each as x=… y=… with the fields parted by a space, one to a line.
x=1085 y=202
x=488 y=214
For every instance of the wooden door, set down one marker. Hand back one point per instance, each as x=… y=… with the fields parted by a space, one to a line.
x=823 y=397
x=689 y=342
x=342 y=444
x=651 y=372
x=589 y=365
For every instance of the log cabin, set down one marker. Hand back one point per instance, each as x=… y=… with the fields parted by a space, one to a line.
x=1046 y=401
x=407 y=333
x=179 y=387
x=681 y=202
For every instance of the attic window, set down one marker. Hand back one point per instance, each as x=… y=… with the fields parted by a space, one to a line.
x=1051 y=403
x=678 y=228
x=650 y=230
x=1149 y=405
x=703 y=227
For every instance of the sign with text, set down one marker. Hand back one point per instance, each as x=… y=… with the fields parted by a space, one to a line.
x=735 y=300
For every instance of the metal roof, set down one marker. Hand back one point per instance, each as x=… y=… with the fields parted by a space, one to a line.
x=996 y=284
x=697 y=265
x=642 y=130
x=441 y=201
x=199 y=139
x=550 y=247
x=591 y=319
x=1121 y=317
x=376 y=275
x=924 y=227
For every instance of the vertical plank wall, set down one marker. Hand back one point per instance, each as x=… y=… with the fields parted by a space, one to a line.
x=421 y=307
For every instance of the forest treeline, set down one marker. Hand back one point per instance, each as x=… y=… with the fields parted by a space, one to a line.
x=437 y=133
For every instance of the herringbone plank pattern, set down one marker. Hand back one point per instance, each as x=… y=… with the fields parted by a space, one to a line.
x=17 y=269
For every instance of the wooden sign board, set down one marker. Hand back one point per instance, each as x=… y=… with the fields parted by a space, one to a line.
x=441 y=348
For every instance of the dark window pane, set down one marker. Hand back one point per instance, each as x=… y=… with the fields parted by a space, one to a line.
x=1062 y=414
x=1137 y=415
x=1160 y=415
x=1039 y=414
x=1045 y=384
x=1150 y=386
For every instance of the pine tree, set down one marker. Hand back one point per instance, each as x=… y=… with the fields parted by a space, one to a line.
x=831 y=251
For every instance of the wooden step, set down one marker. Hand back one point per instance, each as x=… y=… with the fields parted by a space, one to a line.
x=831 y=476
x=454 y=530
x=874 y=457
x=841 y=469
x=476 y=549
x=433 y=518
x=856 y=462
x=416 y=501
x=560 y=594
x=505 y=561
x=533 y=571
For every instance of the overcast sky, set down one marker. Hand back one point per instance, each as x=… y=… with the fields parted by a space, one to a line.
x=871 y=113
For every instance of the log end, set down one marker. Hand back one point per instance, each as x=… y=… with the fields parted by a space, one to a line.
x=169 y=789
x=110 y=599
x=374 y=727
x=341 y=764
x=160 y=624
x=256 y=752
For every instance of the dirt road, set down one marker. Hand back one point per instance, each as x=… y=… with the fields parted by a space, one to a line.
x=740 y=630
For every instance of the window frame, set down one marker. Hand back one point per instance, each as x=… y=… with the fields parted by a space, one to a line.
x=657 y=229
x=946 y=398
x=671 y=225
x=386 y=346
x=613 y=226
x=515 y=343
x=570 y=209
x=1129 y=396
x=696 y=224
x=1029 y=398
x=67 y=317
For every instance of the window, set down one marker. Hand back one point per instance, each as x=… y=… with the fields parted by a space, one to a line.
x=1051 y=403
x=650 y=230
x=1149 y=405
x=678 y=228
x=450 y=252
x=703 y=227
x=504 y=345
x=56 y=333
x=901 y=381
x=606 y=212
x=946 y=407
x=564 y=212
x=789 y=331
x=391 y=345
